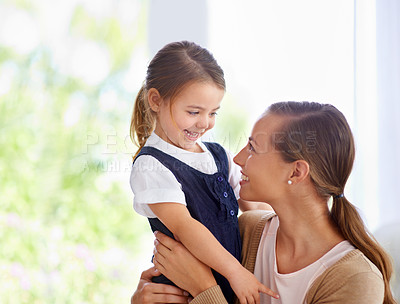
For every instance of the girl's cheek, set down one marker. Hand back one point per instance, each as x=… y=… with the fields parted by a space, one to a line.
x=212 y=124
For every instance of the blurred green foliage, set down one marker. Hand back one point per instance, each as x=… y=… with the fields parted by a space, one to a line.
x=232 y=127
x=68 y=230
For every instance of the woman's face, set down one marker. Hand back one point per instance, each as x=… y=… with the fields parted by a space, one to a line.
x=264 y=173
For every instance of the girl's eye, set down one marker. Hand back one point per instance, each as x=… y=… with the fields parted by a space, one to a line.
x=193 y=113
x=213 y=114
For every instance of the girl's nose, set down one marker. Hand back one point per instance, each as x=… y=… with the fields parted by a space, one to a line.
x=203 y=122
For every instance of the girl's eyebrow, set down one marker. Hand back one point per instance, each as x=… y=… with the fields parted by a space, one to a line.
x=201 y=108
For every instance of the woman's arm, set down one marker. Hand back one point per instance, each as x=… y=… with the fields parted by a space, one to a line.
x=151 y=293
x=178 y=264
x=204 y=246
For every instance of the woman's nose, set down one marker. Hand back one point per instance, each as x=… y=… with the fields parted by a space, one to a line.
x=240 y=158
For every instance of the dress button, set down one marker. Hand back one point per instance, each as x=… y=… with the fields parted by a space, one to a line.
x=225 y=194
x=232 y=212
x=220 y=178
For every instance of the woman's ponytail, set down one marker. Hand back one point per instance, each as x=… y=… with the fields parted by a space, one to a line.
x=142 y=121
x=351 y=226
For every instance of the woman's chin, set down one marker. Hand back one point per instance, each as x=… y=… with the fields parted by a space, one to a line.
x=244 y=196
x=250 y=197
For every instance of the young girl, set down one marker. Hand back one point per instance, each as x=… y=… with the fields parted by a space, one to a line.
x=182 y=185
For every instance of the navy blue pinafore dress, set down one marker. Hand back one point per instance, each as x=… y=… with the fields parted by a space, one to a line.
x=210 y=200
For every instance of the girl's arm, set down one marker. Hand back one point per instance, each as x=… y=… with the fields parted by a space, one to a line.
x=204 y=246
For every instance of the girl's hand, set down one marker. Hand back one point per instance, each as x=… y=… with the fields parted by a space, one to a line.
x=148 y=292
x=180 y=266
x=247 y=288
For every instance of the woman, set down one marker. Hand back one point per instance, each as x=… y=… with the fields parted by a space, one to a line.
x=299 y=156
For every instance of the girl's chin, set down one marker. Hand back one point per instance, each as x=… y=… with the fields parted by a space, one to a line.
x=190 y=141
x=189 y=146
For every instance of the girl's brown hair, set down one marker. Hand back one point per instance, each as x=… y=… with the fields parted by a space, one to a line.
x=320 y=135
x=174 y=66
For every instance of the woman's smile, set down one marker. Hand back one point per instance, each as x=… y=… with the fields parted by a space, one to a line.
x=244 y=179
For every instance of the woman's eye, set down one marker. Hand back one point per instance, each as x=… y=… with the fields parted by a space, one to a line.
x=193 y=113
x=213 y=114
x=250 y=147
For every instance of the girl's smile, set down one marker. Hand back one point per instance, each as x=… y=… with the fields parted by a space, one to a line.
x=186 y=118
x=192 y=136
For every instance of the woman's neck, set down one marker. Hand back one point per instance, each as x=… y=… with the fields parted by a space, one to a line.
x=304 y=235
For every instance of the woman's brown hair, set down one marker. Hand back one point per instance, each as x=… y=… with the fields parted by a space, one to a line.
x=320 y=135
x=175 y=66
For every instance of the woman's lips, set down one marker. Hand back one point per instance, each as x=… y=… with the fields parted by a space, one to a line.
x=244 y=179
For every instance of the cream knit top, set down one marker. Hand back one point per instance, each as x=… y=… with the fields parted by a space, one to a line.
x=352 y=280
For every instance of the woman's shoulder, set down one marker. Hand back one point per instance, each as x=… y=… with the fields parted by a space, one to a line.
x=352 y=277
x=353 y=263
x=358 y=262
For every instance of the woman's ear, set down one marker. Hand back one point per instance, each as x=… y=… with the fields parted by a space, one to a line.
x=154 y=98
x=301 y=170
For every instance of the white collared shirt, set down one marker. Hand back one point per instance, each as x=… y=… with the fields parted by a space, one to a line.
x=152 y=182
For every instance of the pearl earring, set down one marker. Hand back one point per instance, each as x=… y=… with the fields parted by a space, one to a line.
x=289 y=182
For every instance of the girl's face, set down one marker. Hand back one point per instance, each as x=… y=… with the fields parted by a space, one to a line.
x=264 y=173
x=191 y=114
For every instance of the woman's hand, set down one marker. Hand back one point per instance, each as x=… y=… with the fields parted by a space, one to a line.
x=180 y=266
x=148 y=292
